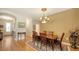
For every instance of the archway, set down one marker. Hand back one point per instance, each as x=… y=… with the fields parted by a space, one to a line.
x=8 y=22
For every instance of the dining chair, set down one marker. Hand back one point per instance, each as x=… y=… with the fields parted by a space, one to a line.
x=50 y=41
x=43 y=40
x=59 y=42
x=35 y=37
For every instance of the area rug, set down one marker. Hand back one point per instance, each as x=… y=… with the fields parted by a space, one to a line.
x=37 y=47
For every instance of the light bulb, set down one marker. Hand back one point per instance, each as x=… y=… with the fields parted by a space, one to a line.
x=48 y=19
x=44 y=21
x=45 y=17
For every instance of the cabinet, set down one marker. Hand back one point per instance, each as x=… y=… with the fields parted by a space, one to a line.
x=1 y=35
x=20 y=34
x=1 y=32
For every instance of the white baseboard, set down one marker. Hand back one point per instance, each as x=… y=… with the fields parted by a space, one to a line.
x=66 y=43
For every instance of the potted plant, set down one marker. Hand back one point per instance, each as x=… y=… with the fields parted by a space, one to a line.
x=73 y=39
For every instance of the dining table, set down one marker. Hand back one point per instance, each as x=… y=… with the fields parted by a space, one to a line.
x=49 y=39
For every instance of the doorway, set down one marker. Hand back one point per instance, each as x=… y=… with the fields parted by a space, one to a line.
x=8 y=22
x=8 y=28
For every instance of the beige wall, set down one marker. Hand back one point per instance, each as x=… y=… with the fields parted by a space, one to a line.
x=77 y=17
x=62 y=22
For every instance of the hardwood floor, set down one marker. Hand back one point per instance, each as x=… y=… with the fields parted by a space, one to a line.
x=10 y=44
x=72 y=49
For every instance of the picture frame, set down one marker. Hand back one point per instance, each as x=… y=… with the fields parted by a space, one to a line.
x=21 y=24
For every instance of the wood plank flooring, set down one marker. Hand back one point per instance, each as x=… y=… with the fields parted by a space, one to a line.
x=9 y=44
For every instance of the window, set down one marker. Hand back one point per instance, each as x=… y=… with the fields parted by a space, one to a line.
x=8 y=27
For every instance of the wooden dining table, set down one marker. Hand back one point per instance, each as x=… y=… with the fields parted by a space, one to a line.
x=54 y=37
x=49 y=39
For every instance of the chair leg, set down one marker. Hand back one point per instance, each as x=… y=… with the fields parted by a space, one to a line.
x=61 y=47
x=52 y=43
x=52 y=48
x=46 y=47
x=37 y=43
x=34 y=41
x=41 y=45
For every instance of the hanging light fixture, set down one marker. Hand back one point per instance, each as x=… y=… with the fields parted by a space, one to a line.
x=44 y=18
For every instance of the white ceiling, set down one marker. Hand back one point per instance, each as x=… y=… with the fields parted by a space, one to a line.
x=35 y=13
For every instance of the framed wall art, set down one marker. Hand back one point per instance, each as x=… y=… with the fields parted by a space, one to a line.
x=21 y=24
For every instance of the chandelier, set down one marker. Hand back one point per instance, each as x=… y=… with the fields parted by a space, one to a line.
x=44 y=18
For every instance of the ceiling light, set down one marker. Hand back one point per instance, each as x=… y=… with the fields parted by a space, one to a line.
x=44 y=18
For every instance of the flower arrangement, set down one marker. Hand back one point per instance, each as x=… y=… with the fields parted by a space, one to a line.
x=73 y=39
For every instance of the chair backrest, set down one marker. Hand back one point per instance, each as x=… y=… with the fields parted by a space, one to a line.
x=43 y=36
x=50 y=33
x=34 y=34
x=62 y=36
